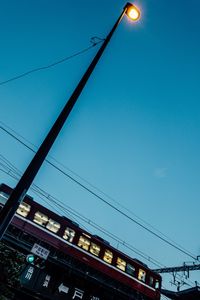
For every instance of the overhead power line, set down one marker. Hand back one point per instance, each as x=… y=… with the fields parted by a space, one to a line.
x=179 y=248
x=95 y=41
x=14 y=133
x=10 y=169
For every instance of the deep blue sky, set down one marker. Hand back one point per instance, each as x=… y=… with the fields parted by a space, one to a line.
x=134 y=132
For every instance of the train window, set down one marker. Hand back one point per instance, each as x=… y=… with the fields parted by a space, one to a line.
x=108 y=256
x=23 y=209
x=53 y=225
x=84 y=243
x=130 y=270
x=40 y=218
x=69 y=234
x=94 y=249
x=3 y=197
x=151 y=281
x=141 y=275
x=157 y=285
x=121 y=264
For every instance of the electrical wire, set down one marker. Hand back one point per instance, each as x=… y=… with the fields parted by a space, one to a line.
x=54 y=202
x=92 y=186
x=94 y=43
x=105 y=201
x=38 y=191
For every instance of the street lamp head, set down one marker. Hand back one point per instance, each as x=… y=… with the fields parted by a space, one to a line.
x=132 y=12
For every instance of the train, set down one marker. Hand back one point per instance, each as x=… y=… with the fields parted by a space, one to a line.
x=92 y=250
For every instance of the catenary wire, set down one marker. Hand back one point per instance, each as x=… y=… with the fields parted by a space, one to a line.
x=105 y=201
x=94 y=43
x=63 y=207
x=38 y=191
x=96 y=188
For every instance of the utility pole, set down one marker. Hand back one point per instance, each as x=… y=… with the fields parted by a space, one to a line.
x=19 y=192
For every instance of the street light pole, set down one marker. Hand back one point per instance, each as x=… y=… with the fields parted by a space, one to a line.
x=16 y=197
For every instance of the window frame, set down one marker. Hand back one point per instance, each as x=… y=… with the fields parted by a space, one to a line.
x=157 y=284
x=44 y=223
x=142 y=274
x=85 y=246
x=151 y=281
x=94 y=252
x=130 y=267
x=109 y=256
x=121 y=264
x=71 y=235
x=50 y=225
x=26 y=209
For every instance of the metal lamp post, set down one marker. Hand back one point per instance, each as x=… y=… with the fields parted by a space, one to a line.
x=16 y=197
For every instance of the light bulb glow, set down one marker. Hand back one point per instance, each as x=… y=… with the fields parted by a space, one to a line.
x=133 y=13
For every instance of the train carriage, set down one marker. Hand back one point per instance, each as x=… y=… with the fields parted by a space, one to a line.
x=66 y=236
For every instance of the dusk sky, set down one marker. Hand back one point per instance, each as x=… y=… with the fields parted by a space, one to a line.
x=133 y=137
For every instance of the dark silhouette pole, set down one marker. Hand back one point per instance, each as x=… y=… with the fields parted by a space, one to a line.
x=16 y=197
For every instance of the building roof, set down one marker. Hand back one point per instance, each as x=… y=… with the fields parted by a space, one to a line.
x=189 y=294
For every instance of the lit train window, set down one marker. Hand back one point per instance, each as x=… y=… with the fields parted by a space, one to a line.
x=151 y=281
x=121 y=264
x=157 y=285
x=69 y=234
x=40 y=218
x=130 y=270
x=84 y=243
x=94 y=249
x=108 y=256
x=53 y=225
x=23 y=209
x=141 y=275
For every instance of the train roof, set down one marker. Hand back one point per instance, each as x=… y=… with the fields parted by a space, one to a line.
x=65 y=220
